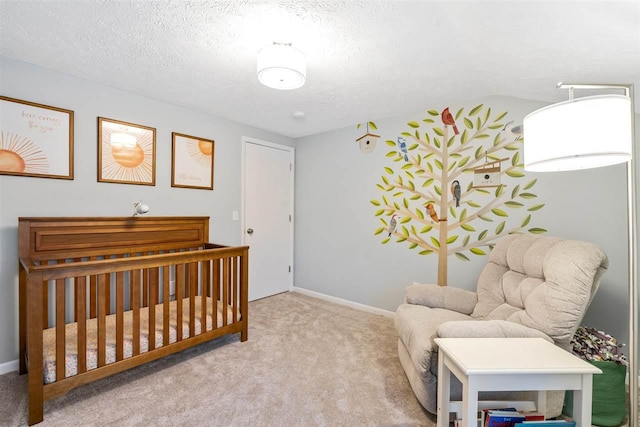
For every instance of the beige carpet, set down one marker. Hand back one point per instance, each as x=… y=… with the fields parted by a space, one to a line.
x=307 y=363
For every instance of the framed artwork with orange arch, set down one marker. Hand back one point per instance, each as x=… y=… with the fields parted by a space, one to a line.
x=35 y=139
x=126 y=152
x=192 y=161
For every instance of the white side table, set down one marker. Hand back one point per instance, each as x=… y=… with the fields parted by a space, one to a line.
x=508 y=364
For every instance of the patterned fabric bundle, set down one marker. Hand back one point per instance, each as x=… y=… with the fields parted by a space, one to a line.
x=594 y=345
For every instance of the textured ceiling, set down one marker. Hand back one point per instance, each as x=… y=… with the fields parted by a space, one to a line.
x=366 y=60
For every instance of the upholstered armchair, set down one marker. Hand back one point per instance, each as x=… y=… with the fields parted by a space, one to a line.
x=532 y=286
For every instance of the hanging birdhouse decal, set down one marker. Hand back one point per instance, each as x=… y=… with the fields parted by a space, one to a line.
x=487 y=175
x=368 y=140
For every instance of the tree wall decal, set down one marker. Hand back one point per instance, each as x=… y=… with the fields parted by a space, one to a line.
x=430 y=199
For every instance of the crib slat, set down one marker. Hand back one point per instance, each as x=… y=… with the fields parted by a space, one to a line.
x=60 y=329
x=165 y=305
x=93 y=294
x=153 y=300
x=192 y=298
x=81 y=311
x=119 y=315
x=204 y=281
x=75 y=293
x=102 y=318
x=216 y=290
x=235 y=284
x=179 y=284
x=225 y=290
x=135 y=305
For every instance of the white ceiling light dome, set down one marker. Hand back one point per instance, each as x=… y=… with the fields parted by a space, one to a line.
x=281 y=66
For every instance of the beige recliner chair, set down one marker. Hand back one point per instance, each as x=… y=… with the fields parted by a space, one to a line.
x=532 y=286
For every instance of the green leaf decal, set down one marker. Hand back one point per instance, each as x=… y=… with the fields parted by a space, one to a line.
x=373 y=126
x=391 y=154
x=419 y=214
x=477 y=251
x=452 y=239
x=464 y=137
x=528 y=196
x=499 y=212
x=438 y=163
x=405 y=202
x=433 y=112
x=500 y=227
x=388 y=170
x=379 y=212
x=472 y=204
x=512 y=204
x=417 y=134
x=426 y=229
x=463 y=215
x=536 y=207
x=451 y=141
x=482 y=136
x=415 y=197
x=427 y=182
x=375 y=203
x=405 y=230
x=428 y=120
x=500 y=116
x=405 y=134
x=467 y=227
x=530 y=184
x=475 y=110
x=386 y=240
x=537 y=230
x=401 y=239
x=390 y=143
x=425 y=252
x=435 y=242
x=465 y=240
x=378 y=231
x=407 y=166
x=514 y=193
x=437 y=190
x=482 y=235
x=414 y=124
x=459 y=113
x=462 y=256
x=405 y=220
x=526 y=221
x=413 y=245
x=413 y=147
x=497 y=139
x=485 y=218
x=463 y=162
x=411 y=185
x=496 y=126
x=438 y=131
x=515 y=159
x=499 y=190
x=385 y=180
x=468 y=123
x=436 y=142
x=514 y=173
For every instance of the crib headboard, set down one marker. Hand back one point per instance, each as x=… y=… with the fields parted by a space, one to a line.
x=45 y=238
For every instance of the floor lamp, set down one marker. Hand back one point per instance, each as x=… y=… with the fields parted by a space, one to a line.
x=590 y=132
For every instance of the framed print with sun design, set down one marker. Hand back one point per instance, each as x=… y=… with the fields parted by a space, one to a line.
x=191 y=162
x=126 y=152
x=35 y=139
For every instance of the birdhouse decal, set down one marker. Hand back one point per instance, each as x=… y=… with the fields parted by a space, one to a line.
x=368 y=140
x=487 y=175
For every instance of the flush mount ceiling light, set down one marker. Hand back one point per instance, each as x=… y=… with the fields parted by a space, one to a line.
x=281 y=66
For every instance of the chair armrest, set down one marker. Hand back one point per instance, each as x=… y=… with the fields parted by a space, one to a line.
x=434 y=296
x=488 y=329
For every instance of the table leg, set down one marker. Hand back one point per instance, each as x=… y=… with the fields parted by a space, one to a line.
x=582 y=402
x=541 y=402
x=469 y=402
x=444 y=391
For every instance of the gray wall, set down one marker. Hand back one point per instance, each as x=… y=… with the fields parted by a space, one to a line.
x=84 y=196
x=338 y=254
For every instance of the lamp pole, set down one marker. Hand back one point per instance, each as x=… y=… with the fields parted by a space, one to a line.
x=632 y=222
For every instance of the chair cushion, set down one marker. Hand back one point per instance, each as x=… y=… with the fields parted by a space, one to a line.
x=416 y=326
x=545 y=283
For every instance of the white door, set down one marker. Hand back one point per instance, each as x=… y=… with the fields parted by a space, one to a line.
x=268 y=216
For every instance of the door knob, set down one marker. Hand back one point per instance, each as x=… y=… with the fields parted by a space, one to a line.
x=249 y=230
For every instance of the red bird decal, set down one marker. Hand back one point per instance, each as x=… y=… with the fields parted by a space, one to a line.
x=447 y=119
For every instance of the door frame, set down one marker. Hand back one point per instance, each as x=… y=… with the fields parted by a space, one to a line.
x=243 y=235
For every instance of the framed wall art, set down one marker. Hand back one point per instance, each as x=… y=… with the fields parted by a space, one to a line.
x=35 y=139
x=192 y=162
x=126 y=152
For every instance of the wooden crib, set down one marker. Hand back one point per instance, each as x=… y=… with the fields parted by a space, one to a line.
x=92 y=289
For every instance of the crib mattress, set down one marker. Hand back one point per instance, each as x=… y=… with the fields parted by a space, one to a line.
x=71 y=330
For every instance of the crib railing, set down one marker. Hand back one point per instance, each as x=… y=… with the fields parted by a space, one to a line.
x=54 y=293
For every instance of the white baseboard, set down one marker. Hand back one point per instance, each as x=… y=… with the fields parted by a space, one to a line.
x=355 y=305
x=11 y=366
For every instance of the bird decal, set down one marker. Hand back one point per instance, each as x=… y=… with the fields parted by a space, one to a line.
x=402 y=143
x=511 y=131
x=392 y=224
x=455 y=190
x=432 y=212
x=447 y=119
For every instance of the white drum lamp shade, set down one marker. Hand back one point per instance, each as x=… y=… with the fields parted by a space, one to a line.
x=281 y=66
x=580 y=133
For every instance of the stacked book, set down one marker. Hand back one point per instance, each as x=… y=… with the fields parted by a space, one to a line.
x=509 y=417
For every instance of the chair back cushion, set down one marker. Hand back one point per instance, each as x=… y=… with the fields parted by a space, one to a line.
x=542 y=282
